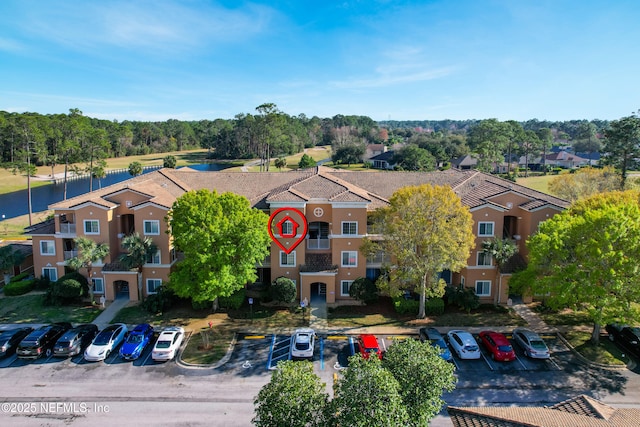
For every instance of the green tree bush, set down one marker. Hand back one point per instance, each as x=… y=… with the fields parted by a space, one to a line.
x=283 y=290
x=364 y=289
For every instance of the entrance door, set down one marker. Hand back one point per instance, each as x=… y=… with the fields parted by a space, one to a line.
x=318 y=291
x=122 y=288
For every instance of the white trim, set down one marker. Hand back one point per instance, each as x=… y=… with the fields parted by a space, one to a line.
x=342 y=224
x=147 y=204
x=277 y=205
x=288 y=255
x=150 y=221
x=149 y=292
x=53 y=245
x=50 y=268
x=84 y=227
x=158 y=254
x=318 y=273
x=493 y=228
x=350 y=282
x=485 y=254
x=94 y=280
x=475 y=289
x=342 y=264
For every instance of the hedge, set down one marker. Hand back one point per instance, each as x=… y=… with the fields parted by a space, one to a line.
x=13 y=289
x=20 y=277
x=233 y=301
x=406 y=306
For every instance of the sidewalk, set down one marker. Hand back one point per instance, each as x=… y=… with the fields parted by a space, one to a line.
x=107 y=315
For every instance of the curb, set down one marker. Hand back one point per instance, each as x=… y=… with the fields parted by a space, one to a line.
x=216 y=365
x=630 y=365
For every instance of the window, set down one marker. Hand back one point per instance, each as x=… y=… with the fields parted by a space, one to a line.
x=345 y=285
x=47 y=247
x=483 y=288
x=153 y=285
x=485 y=229
x=287 y=260
x=349 y=258
x=98 y=286
x=287 y=228
x=154 y=258
x=152 y=227
x=50 y=273
x=484 y=259
x=91 y=226
x=349 y=227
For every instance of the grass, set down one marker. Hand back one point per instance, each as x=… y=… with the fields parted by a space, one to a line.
x=605 y=352
x=218 y=340
x=565 y=317
x=30 y=309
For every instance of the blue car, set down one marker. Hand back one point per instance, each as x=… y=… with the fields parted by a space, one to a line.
x=436 y=339
x=137 y=340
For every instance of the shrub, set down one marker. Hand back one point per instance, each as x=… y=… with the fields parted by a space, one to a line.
x=233 y=301
x=434 y=307
x=159 y=302
x=19 y=278
x=363 y=289
x=465 y=298
x=283 y=290
x=68 y=289
x=13 y=289
x=406 y=306
x=41 y=283
x=79 y=278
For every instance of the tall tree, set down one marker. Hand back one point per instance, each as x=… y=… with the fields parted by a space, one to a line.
x=414 y=158
x=426 y=229
x=9 y=258
x=584 y=183
x=501 y=251
x=368 y=395
x=622 y=145
x=489 y=140
x=587 y=258
x=349 y=154
x=546 y=139
x=95 y=147
x=423 y=377
x=89 y=252
x=293 y=397
x=222 y=238
x=138 y=250
x=31 y=138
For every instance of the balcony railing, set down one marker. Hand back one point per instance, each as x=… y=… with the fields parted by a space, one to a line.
x=70 y=254
x=318 y=244
x=378 y=258
x=67 y=228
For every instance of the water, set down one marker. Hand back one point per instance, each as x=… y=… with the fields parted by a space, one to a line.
x=16 y=203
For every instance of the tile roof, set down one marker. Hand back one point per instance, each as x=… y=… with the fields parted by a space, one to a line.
x=580 y=411
x=375 y=188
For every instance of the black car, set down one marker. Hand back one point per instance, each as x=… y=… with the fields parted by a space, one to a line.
x=75 y=340
x=41 y=341
x=10 y=339
x=627 y=337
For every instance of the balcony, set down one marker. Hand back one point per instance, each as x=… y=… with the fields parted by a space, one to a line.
x=318 y=244
x=67 y=228
x=70 y=254
x=315 y=263
x=378 y=258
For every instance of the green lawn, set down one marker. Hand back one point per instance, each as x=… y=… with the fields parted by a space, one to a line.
x=605 y=352
x=30 y=309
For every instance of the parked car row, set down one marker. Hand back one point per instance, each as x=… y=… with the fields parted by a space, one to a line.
x=63 y=340
x=466 y=346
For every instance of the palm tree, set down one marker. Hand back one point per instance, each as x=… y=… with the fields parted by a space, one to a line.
x=89 y=252
x=138 y=250
x=501 y=250
x=9 y=258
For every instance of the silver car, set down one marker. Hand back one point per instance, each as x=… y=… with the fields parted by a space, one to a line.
x=531 y=343
x=302 y=343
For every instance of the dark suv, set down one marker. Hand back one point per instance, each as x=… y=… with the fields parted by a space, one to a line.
x=9 y=340
x=41 y=341
x=75 y=340
x=627 y=337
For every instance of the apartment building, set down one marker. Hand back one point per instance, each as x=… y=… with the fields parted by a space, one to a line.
x=335 y=203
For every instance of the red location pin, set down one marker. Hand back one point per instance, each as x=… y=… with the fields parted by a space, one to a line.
x=287 y=228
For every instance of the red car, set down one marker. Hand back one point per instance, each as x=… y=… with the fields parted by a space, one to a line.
x=498 y=345
x=369 y=345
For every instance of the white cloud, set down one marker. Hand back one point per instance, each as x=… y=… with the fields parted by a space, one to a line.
x=389 y=78
x=10 y=45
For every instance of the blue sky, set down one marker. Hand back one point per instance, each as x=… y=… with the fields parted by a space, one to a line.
x=401 y=60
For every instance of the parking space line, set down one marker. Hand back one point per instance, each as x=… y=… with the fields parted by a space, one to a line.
x=321 y=354
x=273 y=343
x=147 y=358
x=487 y=360
x=523 y=365
x=352 y=346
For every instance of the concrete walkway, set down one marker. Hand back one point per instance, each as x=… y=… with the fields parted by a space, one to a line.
x=110 y=312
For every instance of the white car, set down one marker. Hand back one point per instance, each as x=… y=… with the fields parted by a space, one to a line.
x=105 y=342
x=463 y=344
x=168 y=344
x=302 y=343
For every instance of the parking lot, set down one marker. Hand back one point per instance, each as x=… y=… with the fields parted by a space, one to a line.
x=260 y=353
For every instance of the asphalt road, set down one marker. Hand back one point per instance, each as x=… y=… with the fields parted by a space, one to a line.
x=73 y=392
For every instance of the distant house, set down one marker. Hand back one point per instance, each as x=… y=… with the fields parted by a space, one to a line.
x=564 y=159
x=373 y=150
x=464 y=162
x=593 y=158
x=578 y=411
x=383 y=161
